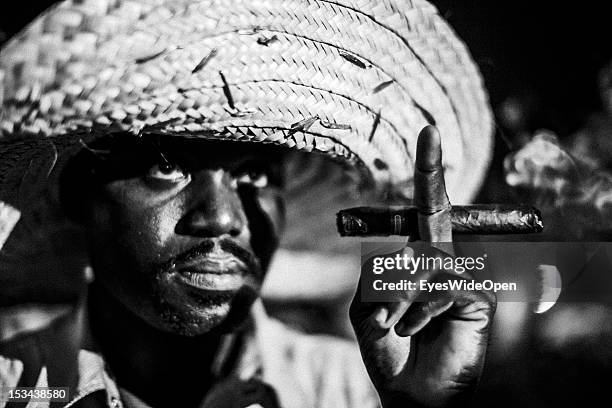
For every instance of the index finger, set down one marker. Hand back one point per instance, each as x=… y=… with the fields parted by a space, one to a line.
x=430 y=195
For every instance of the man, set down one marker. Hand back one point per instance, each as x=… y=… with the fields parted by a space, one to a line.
x=181 y=224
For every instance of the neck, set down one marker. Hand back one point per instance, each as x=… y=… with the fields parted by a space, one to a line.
x=156 y=366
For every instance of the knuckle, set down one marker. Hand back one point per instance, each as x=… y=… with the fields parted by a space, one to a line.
x=489 y=296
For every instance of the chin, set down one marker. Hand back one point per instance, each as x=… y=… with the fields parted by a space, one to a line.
x=195 y=323
x=220 y=313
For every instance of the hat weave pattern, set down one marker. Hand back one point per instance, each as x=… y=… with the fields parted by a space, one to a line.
x=356 y=79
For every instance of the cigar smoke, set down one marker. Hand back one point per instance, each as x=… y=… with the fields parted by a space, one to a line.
x=560 y=182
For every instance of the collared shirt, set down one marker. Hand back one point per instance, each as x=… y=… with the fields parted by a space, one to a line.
x=303 y=370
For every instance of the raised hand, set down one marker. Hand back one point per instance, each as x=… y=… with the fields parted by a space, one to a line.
x=426 y=352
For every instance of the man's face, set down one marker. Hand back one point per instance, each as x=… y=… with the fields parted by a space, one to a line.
x=182 y=230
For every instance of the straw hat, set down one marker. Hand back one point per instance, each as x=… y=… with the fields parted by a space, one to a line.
x=356 y=79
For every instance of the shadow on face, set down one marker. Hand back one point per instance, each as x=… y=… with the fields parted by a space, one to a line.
x=180 y=230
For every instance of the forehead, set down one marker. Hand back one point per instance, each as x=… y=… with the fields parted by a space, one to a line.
x=125 y=156
x=188 y=151
x=225 y=148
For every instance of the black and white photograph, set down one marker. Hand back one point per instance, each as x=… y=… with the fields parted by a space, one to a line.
x=305 y=204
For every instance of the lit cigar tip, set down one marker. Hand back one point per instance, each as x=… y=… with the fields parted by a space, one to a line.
x=536 y=217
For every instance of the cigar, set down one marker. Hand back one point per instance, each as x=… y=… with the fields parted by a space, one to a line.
x=470 y=219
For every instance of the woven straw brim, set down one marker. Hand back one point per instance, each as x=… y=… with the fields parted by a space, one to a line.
x=355 y=79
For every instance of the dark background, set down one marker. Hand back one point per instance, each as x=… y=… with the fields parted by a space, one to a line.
x=549 y=49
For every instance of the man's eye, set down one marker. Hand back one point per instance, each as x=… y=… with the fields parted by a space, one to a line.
x=253 y=178
x=168 y=172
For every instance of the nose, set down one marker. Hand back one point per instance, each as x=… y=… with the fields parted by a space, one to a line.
x=213 y=206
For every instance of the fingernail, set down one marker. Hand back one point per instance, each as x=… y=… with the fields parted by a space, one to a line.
x=381 y=316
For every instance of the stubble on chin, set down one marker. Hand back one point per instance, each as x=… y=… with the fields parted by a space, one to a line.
x=199 y=314
x=191 y=313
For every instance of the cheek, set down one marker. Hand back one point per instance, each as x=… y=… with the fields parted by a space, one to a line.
x=266 y=215
x=272 y=205
x=139 y=220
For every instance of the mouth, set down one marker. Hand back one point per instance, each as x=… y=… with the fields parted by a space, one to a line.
x=213 y=272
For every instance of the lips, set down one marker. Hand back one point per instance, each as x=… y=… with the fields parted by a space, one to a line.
x=213 y=264
x=213 y=272
x=212 y=281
